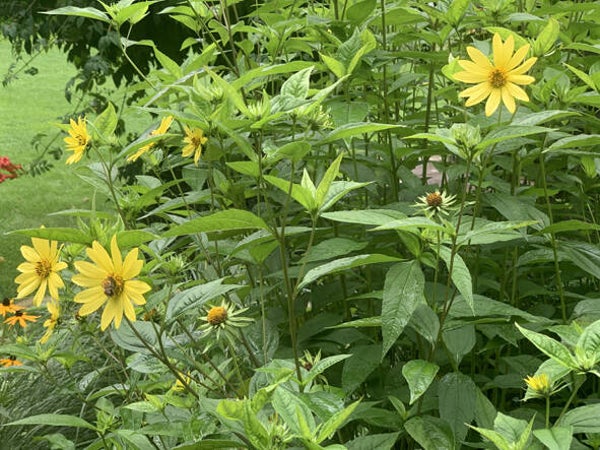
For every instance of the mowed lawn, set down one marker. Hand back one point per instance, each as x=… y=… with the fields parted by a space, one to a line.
x=31 y=105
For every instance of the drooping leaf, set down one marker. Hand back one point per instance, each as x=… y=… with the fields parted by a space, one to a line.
x=402 y=294
x=583 y=419
x=555 y=438
x=457 y=398
x=550 y=347
x=419 y=374
x=55 y=420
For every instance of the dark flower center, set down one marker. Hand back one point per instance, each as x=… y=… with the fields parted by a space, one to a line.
x=434 y=200
x=113 y=285
x=217 y=315
x=6 y=302
x=43 y=268
x=497 y=78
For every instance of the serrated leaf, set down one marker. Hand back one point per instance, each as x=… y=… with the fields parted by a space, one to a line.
x=419 y=374
x=550 y=347
x=569 y=225
x=365 y=216
x=402 y=294
x=167 y=63
x=373 y=442
x=344 y=264
x=302 y=194
x=431 y=433
x=229 y=220
x=297 y=85
x=457 y=398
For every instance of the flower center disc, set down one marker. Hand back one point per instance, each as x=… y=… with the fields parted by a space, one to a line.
x=113 y=285
x=217 y=315
x=497 y=78
x=43 y=268
x=434 y=200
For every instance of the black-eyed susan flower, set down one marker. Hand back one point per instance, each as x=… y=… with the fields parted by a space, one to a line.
x=78 y=140
x=110 y=282
x=10 y=361
x=195 y=139
x=435 y=203
x=498 y=80
x=8 y=306
x=224 y=316
x=162 y=129
x=40 y=272
x=21 y=318
x=52 y=321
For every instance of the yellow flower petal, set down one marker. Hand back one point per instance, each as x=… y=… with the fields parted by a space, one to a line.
x=493 y=102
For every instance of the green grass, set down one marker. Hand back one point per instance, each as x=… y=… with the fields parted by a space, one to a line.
x=31 y=105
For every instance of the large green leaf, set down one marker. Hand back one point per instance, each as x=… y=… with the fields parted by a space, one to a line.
x=431 y=433
x=365 y=216
x=584 y=419
x=555 y=438
x=344 y=264
x=510 y=132
x=289 y=407
x=364 y=360
x=457 y=399
x=354 y=129
x=55 y=420
x=57 y=234
x=550 y=347
x=402 y=294
x=419 y=374
x=331 y=425
x=230 y=220
x=88 y=12
x=373 y=442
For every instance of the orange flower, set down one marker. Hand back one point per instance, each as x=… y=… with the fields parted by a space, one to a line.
x=10 y=362
x=22 y=318
x=8 y=306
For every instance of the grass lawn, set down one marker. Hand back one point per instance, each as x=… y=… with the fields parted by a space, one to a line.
x=30 y=105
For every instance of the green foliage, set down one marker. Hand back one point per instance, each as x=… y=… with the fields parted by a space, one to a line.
x=339 y=254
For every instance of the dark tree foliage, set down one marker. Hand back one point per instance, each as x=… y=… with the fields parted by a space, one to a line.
x=90 y=45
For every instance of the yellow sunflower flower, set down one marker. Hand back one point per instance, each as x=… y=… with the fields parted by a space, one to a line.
x=78 y=140
x=8 y=306
x=110 y=280
x=195 y=139
x=50 y=323
x=540 y=384
x=496 y=81
x=40 y=271
x=162 y=129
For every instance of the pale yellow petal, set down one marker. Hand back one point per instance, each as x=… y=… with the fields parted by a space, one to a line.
x=502 y=52
x=131 y=266
x=39 y=295
x=508 y=100
x=517 y=92
x=520 y=79
x=112 y=311
x=100 y=256
x=517 y=57
x=477 y=97
x=28 y=285
x=470 y=77
x=129 y=310
x=493 y=102
x=115 y=252
x=26 y=267
x=523 y=67
x=477 y=90
x=42 y=247
x=479 y=58
x=91 y=271
x=29 y=254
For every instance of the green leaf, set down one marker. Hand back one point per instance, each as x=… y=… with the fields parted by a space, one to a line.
x=297 y=85
x=330 y=174
x=494 y=437
x=354 y=129
x=331 y=425
x=456 y=12
x=419 y=374
x=197 y=296
x=373 y=442
x=337 y=67
x=584 y=419
x=360 y=11
x=538 y=118
x=431 y=433
x=89 y=12
x=582 y=76
x=211 y=444
x=54 y=420
x=337 y=190
x=410 y=224
x=236 y=220
x=289 y=407
x=364 y=360
x=459 y=341
x=322 y=366
x=555 y=438
x=589 y=341
x=584 y=255
x=457 y=399
x=510 y=132
x=550 y=347
x=547 y=37
x=167 y=63
x=402 y=294
x=133 y=238
x=250 y=168
x=300 y=193
x=125 y=336
x=295 y=151
x=492 y=232
x=569 y=225
x=333 y=248
x=106 y=123
x=344 y=264
x=365 y=216
x=57 y=234
x=369 y=44
x=230 y=93
x=576 y=142
x=461 y=277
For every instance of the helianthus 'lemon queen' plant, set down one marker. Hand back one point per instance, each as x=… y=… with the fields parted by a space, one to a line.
x=78 y=140
x=110 y=280
x=40 y=272
x=194 y=140
x=496 y=80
